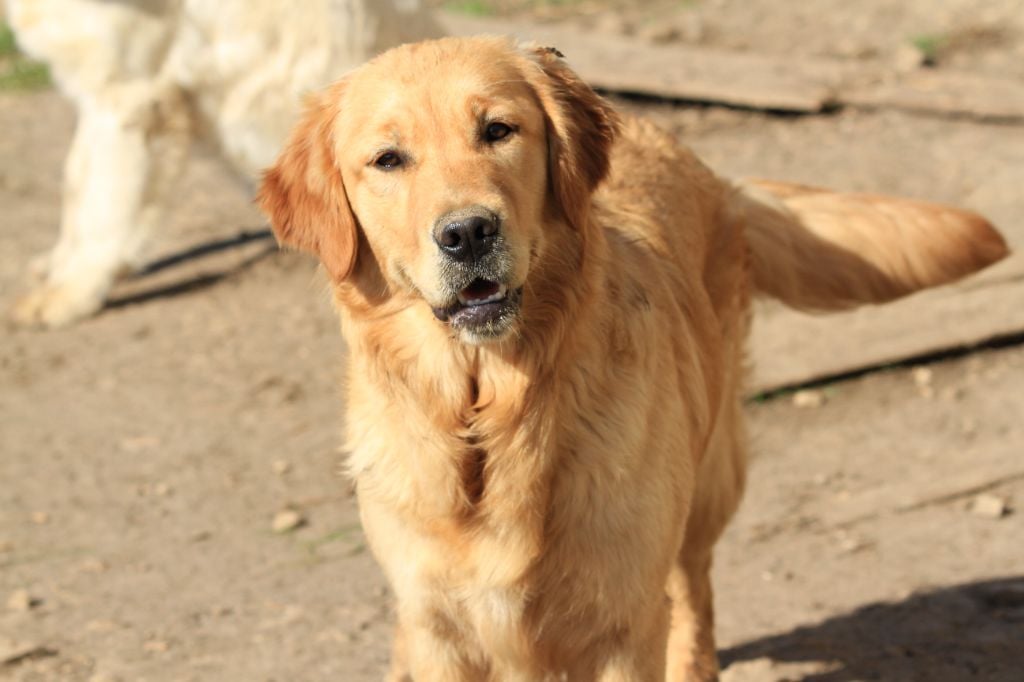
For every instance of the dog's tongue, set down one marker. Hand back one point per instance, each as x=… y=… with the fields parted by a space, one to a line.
x=479 y=289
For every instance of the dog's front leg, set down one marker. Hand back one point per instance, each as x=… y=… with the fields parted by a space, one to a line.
x=636 y=655
x=129 y=146
x=434 y=654
x=691 y=644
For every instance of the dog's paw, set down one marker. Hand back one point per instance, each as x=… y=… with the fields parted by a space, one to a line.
x=39 y=268
x=56 y=305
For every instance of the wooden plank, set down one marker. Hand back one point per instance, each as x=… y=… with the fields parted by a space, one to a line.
x=944 y=92
x=677 y=71
x=789 y=348
x=759 y=81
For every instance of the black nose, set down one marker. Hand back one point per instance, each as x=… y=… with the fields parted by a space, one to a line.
x=467 y=237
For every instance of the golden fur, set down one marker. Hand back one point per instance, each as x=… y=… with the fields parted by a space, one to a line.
x=544 y=493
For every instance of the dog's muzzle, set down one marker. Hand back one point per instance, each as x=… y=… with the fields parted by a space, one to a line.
x=475 y=267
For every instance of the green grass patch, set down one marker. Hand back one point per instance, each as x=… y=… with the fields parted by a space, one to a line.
x=930 y=46
x=484 y=8
x=477 y=8
x=18 y=72
x=8 y=47
x=24 y=74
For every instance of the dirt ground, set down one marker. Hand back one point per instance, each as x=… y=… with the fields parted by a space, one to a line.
x=145 y=453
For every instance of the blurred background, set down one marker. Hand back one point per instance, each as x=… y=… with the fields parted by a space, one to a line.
x=171 y=499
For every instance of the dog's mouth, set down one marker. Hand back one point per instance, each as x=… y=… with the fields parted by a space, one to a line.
x=483 y=307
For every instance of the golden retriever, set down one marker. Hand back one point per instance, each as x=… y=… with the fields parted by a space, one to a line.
x=545 y=305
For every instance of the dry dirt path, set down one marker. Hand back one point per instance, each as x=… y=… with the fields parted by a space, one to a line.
x=145 y=453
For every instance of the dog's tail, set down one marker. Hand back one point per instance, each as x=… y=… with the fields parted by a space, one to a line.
x=819 y=250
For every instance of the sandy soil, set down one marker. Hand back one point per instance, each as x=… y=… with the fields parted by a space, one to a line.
x=144 y=454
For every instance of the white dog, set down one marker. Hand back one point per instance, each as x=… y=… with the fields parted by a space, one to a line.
x=149 y=76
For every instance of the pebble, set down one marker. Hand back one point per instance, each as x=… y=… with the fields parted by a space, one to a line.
x=989 y=506
x=12 y=651
x=951 y=393
x=907 y=58
x=281 y=467
x=287 y=520
x=852 y=545
x=156 y=646
x=21 y=600
x=101 y=626
x=613 y=23
x=808 y=398
x=93 y=565
x=658 y=32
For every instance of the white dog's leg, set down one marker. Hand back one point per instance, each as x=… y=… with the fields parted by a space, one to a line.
x=127 y=150
x=107 y=56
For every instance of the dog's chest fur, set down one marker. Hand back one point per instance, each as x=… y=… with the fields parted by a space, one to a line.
x=477 y=492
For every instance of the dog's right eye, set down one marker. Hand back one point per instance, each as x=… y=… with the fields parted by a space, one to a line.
x=388 y=160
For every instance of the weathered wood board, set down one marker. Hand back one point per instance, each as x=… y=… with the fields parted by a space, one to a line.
x=679 y=72
x=789 y=348
x=942 y=92
x=760 y=81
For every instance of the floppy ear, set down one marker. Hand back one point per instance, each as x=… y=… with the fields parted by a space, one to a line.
x=581 y=129
x=303 y=194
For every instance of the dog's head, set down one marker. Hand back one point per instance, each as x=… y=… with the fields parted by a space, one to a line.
x=456 y=164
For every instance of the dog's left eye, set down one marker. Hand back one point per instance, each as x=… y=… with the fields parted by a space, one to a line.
x=389 y=160
x=497 y=131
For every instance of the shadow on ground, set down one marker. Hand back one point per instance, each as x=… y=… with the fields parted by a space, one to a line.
x=182 y=272
x=965 y=632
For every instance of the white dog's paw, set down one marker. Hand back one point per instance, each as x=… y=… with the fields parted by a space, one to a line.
x=57 y=305
x=39 y=268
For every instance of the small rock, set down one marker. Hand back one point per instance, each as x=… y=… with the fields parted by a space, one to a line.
x=989 y=506
x=13 y=651
x=692 y=29
x=156 y=646
x=93 y=565
x=951 y=393
x=808 y=398
x=908 y=58
x=852 y=545
x=658 y=33
x=40 y=518
x=162 y=489
x=287 y=520
x=21 y=600
x=922 y=376
x=613 y=23
x=139 y=443
x=281 y=467
x=101 y=626
x=849 y=48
